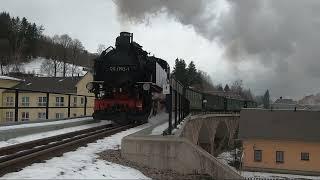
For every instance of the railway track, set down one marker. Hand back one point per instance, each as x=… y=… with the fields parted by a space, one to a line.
x=15 y=157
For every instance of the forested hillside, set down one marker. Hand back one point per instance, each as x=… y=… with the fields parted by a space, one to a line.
x=21 y=41
x=196 y=79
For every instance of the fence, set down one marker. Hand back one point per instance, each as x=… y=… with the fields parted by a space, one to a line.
x=42 y=104
x=177 y=105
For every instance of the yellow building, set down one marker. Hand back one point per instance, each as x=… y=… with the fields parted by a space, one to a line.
x=70 y=92
x=283 y=141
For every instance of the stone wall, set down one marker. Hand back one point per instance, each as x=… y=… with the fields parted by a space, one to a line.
x=176 y=153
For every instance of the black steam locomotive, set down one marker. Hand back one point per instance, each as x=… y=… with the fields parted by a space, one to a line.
x=126 y=81
x=127 y=84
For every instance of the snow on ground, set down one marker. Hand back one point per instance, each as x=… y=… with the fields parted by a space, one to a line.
x=83 y=163
x=178 y=126
x=35 y=66
x=263 y=175
x=9 y=78
x=161 y=117
x=159 y=129
x=43 y=123
x=36 y=136
x=225 y=157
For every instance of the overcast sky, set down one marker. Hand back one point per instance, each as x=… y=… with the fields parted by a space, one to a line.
x=268 y=44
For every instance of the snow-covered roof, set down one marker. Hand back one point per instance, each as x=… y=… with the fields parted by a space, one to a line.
x=9 y=78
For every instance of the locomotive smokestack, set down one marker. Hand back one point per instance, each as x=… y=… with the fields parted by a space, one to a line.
x=124 y=40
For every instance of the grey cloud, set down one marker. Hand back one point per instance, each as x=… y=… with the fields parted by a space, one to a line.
x=188 y=12
x=282 y=35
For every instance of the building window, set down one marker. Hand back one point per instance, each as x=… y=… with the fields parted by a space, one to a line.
x=257 y=155
x=25 y=101
x=42 y=115
x=305 y=156
x=74 y=101
x=82 y=100
x=9 y=101
x=279 y=156
x=42 y=101
x=25 y=116
x=9 y=116
x=59 y=115
x=59 y=101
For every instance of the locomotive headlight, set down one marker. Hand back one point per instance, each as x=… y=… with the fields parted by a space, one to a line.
x=89 y=86
x=146 y=86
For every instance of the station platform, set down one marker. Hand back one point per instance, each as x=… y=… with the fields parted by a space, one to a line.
x=18 y=129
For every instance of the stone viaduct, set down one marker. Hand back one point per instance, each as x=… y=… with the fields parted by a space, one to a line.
x=212 y=132
x=180 y=152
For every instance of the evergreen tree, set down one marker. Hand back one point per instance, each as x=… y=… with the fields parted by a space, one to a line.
x=180 y=71
x=226 y=88
x=192 y=77
x=219 y=87
x=266 y=100
x=20 y=40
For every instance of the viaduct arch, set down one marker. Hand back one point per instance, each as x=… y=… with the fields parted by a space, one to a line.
x=212 y=132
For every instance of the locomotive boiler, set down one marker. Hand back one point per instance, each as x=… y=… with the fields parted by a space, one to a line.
x=127 y=82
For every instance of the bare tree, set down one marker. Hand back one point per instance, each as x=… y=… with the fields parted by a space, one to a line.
x=66 y=42
x=4 y=54
x=49 y=67
x=237 y=86
x=73 y=70
x=101 y=47
x=77 y=48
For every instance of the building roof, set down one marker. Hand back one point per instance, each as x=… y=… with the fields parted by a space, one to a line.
x=50 y=84
x=225 y=94
x=285 y=101
x=280 y=124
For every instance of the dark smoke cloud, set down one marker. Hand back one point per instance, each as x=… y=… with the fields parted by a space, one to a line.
x=188 y=12
x=283 y=35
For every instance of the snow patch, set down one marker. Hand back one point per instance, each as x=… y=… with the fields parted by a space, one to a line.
x=43 y=123
x=161 y=117
x=264 y=175
x=36 y=136
x=225 y=157
x=83 y=163
x=159 y=129
x=9 y=78
x=34 y=66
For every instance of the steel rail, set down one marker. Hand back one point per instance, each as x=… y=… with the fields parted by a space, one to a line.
x=50 y=147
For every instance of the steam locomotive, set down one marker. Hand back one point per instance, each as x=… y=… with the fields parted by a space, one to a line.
x=127 y=82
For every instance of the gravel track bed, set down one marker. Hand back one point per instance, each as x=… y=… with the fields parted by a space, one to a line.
x=114 y=156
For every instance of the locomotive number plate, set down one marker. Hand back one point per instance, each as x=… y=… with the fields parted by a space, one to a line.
x=120 y=68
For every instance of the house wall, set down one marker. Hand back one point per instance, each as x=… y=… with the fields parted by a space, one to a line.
x=5 y=84
x=292 y=156
x=76 y=110
x=82 y=90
